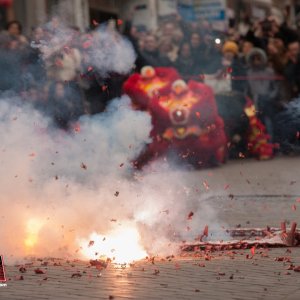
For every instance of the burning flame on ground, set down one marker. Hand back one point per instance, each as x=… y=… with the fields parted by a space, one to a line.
x=33 y=227
x=121 y=246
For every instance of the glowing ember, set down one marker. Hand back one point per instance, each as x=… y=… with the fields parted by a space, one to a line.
x=121 y=246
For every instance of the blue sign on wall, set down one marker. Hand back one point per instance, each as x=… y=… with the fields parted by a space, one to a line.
x=211 y=10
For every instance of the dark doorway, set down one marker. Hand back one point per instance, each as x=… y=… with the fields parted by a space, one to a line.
x=101 y=16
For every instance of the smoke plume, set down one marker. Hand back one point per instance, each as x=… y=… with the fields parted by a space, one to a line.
x=57 y=187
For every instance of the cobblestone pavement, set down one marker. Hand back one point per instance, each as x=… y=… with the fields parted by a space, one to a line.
x=256 y=194
x=228 y=276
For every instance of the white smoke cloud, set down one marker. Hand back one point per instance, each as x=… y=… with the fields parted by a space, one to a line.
x=42 y=173
x=58 y=187
x=111 y=52
x=103 y=50
x=43 y=180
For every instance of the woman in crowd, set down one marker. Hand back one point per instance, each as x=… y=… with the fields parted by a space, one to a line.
x=185 y=63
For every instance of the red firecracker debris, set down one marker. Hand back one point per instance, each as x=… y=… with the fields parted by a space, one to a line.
x=87 y=44
x=207 y=257
x=229 y=70
x=76 y=127
x=39 y=271
x=297 y=269
x=205 y=231
x=156 y=272
x=22 y=270
x=282 y=258
x=83 y=166
x=205 y=184
x=99 y=264
x=76 y=275
x=283 y=226
x=190 y=215
x=290 y=267
x=91 y=243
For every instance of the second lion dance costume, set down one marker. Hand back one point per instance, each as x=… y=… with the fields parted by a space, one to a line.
x=185 y=119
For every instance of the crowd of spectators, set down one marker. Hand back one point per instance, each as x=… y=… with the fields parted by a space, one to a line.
x=51 y=70
x=260 y=60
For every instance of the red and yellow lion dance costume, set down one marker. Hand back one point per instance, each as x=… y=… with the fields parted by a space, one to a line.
x=258 y=140
x=185 y=119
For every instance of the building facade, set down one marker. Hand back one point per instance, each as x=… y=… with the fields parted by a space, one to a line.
x=80 y=13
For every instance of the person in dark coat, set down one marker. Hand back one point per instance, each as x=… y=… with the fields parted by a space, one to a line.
x=10 y=64
x=292 y=68
x=130 y=32
x=198 y=51
x=150 y=52
x=185 y=63
x=287 y=128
